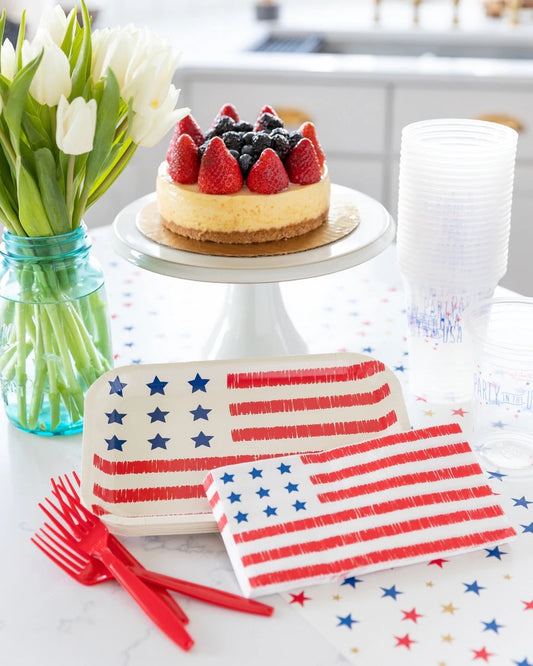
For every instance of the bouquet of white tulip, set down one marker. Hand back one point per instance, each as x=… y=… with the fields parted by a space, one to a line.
x=74 y=106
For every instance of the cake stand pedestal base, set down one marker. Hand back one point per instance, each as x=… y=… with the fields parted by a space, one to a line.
x=253 y=322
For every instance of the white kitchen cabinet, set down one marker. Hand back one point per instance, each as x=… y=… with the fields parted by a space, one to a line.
x=348 y=119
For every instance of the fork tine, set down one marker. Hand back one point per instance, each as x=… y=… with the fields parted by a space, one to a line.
x=69 y=528
x=73 y=490
x=68 y=504
x=84 y=514
x=53 y=555
x=68 y=546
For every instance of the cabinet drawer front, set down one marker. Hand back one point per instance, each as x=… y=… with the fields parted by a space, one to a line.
x=451 y=101
x=347 y=119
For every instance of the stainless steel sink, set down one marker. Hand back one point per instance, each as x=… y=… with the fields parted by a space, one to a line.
x=411 y=44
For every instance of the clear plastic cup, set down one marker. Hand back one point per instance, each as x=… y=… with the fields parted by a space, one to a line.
x=454 y=210
x=439 y=351
x=502 y=411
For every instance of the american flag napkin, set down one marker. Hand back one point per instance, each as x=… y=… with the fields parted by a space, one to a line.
x=152 y=432
x=397 y=499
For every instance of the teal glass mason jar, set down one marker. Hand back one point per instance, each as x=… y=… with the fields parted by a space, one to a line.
x=55 y=334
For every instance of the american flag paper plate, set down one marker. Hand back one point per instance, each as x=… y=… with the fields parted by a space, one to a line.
x=396 y=499
x=153 y=432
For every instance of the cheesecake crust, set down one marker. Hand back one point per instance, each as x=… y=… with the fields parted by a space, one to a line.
x=258 y=236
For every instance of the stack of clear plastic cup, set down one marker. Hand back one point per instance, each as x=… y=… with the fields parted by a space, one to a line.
x=454 y=220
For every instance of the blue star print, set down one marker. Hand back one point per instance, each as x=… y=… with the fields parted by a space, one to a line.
x=522 y=501
x=159 y=442
x=256 y=473
x=270 y=511
x=234 y=497
x=263 y=492
x=157 y=386
x=495 y=552
x=115 y=443
x=116 y=386
x=299 y=506
x=200 y=413
x=473 y=587
x=284 y=469
x=227 y=478
x=524 y=662
x=346 y=621
x=390 y=592
x=202 y=440
x=241 y=517
x=115 y=417
x=352 y=581
x=496 y=475
x=291 y=487
x=492 y=626
x=157 y=415
x=527 y=528
x=198 y=384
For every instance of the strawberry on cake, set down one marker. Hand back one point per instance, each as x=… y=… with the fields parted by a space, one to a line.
x=243 y=183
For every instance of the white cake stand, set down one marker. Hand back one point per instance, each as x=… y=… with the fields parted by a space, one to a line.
x=254 y=321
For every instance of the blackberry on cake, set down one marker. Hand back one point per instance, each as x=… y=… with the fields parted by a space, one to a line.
x=243 y=182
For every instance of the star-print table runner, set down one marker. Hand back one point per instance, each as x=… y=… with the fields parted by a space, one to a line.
x=476 y=608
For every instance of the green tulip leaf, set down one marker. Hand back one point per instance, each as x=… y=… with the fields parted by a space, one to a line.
x=32 y=214
x=52 y=196
x=16 y=100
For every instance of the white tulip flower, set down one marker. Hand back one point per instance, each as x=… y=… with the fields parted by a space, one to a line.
x=7 y=60
x=52 y=78
x=149 y=127
x=76 y=125
x=52 y=26
x=150 y=73
x=141 y=61
x=112 y=49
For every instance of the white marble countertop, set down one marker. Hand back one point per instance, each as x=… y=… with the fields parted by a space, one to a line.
x=47 y=619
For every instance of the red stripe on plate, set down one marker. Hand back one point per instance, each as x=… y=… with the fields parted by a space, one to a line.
x=131 y=495
x=307 y=404
x=304 y=430
x=248 y=380
x=206 y=463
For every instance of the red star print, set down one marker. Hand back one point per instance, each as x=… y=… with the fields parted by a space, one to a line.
x=439 y=562
x=528 y=604
x=482 y=654
x=420 y=399
x=459 y=412
x=411 y=615
x=299 y=598
x=406 y=641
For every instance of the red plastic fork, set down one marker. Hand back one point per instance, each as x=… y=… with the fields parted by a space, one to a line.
x=69 y=499
x=91 y=537
x=90 y=571
x=79 y=566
